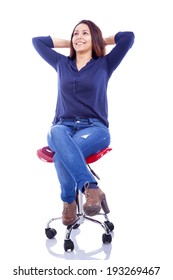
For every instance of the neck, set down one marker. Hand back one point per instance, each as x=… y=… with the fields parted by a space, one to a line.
x=82 y=60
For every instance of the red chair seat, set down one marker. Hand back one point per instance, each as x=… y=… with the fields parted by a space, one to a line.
x=46 y=154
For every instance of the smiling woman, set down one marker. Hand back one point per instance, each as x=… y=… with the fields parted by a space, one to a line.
x=89 y=35
x=82 y=44
x=81 y=109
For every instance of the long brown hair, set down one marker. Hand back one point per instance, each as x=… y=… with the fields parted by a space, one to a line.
x=98 y=44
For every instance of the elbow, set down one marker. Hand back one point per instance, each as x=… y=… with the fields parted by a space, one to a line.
x=34 y=40
x=125 y=37
x=130 y=38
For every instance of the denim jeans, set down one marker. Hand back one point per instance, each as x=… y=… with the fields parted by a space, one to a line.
x=73 y=140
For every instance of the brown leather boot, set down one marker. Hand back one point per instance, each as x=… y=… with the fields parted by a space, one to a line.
x=95 y=200
x=69 y=213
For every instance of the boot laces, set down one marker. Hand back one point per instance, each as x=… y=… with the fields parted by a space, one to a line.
x=88 y=195
x=66 y=207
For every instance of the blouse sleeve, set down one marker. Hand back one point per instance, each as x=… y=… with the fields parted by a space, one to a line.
x=44 y=46
x=124 y=41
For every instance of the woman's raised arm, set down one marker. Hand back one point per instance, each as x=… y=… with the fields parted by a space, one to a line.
x=61 y=43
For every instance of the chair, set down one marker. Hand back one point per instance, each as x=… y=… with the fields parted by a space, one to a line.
x=46 y=155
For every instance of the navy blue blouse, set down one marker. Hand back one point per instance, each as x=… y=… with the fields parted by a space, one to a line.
x=83 y=93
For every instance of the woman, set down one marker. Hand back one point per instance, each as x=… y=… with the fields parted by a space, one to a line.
x=80 y=126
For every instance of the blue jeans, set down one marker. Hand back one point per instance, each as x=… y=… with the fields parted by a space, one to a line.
x=73 y=140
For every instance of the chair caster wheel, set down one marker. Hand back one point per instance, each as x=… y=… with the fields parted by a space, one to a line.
x=106 y=238
x=110 y=225
x=68 y=245
x=50 y=232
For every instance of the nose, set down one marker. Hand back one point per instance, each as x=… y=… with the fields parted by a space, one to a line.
x=79 y=35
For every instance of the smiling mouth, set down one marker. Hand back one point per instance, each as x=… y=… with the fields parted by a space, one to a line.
x=80 y=43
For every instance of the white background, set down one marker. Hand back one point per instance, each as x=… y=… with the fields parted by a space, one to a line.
x=136 y=175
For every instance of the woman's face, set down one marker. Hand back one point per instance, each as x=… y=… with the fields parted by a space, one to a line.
x=81 y=40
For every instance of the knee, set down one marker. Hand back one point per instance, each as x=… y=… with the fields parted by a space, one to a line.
x=52 y=131
x=56 y=133
x=52 y=134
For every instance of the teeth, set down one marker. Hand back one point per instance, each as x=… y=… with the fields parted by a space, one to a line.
x=80 y=43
